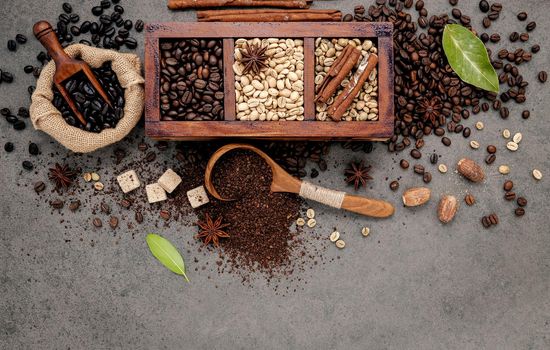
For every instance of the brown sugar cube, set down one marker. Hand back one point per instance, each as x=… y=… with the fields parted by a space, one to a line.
x=197 y=197
x=128 y=181
x=169 y=180
x=155 y=193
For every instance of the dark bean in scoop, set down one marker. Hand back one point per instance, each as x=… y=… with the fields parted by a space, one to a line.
x=27 y=165
x=8 y=147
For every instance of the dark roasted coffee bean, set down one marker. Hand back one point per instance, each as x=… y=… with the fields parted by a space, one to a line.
x=97 y=222
x=508 y=185
x=416 y=154
x=105 y=4
x=543 y=76
x=522 y=202
x=57 y=204
x=419 y=169
x=113 y=222
x=139 y=25
x=20 y=39
x=23 y=112
x=434 y=158
x=28 y=69
x=165 y=214
x=394 y=185
x=74 y=205
x=535 y=48
x=495 y=38
x=97 y=10
x=39 y=186
x=453 y=2
x=493 y=218
x=314 y=173
x=27 y=165
x=484 y=6
x=6 y=77
x=12 y=45
x=67 y=7
x=131 y=43
x=33 y=149
x=486 y=22
x=491 y=149
x=8 y=147
x=490 y=159
x=522 y=16
x=347 y=18
x=485 y=222
x=466 y=132
x=427 y=177
x=525 y=114
x=470 y=200
x=105 y=208
x=519 y=211
x=19 y=125
x=514 y=36
x=150 y=157
x=404 y=164
x=446 y=141
x=510 y=196
x=139 y=217
x=531 y=26
x=125 y=203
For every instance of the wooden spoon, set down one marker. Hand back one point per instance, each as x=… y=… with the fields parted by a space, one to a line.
x=284 y=182
x=65 y=66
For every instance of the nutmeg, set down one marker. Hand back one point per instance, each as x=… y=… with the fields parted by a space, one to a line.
x=416 y=196
x=470 y=170
x=446 y=211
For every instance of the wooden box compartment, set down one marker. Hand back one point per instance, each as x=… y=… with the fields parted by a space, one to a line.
x=308 y=129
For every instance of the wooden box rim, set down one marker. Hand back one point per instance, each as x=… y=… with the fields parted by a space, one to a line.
x=309 y=129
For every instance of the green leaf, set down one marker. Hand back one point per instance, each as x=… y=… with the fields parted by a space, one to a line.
x=167 y=254
x=468 y=57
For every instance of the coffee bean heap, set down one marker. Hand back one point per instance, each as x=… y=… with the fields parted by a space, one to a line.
x=191 y=80
x=424 y=81
x=97 y=113
x=110 y=30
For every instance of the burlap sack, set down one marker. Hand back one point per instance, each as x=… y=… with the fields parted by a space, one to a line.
x=47 y=118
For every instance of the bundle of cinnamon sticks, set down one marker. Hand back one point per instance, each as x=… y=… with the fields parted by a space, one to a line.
x=193 y=4
x=269 y=16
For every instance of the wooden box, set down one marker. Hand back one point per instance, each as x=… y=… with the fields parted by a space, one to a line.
x=308 y=129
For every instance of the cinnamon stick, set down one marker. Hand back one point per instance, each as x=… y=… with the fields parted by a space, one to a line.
x=345 y=99
x=190 y=4
x=338 y=72
x=269 y=16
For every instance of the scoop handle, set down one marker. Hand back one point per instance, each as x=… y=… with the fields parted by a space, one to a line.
x=43 y=31
x=369 y=207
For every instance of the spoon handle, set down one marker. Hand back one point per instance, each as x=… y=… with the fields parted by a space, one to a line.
x=341 y=200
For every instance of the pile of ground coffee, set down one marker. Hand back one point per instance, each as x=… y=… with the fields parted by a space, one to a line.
x=259 y=221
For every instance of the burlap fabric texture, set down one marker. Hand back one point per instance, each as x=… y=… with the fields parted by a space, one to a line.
x=47 y=118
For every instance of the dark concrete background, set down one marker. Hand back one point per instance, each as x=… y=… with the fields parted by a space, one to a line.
x=413 y=284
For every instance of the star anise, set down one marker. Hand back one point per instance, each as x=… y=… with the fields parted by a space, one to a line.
x=62 y=176
x=254 y=59
x=358 y=174
x=430 y=108
x=212 y=231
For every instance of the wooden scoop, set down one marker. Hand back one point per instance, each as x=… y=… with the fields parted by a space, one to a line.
x=284 y=182
x=65 y=66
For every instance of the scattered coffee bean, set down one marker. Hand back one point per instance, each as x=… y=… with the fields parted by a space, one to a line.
x=419 y=169
x=113 y=222
x=105 y=208
x=57 y=204
x=404 y=164
x=531 y=26
x=508 y=185
x=139 y=25
x=490 y=159
x=394 y=185
x=28 y=165
x=434 y=158
x=21 y=39
x=125 y=203
x=452 y=2
x=97 y=222
x=23 y=112
x=416 y=154
x=510 y=196
x=33 y=149
x=522 y=16
x=442 y=168
x=470 y=200
x=491 y=149
x=519 y=211
x=535 y=48
x=525 y=114
x=446 y=141
x=8 y=147
x=484 y=6
x=39 y=186
x=165 y=214
x=74 y=205
x=427 y=177
x=67 y=7
x=150 y=157
x=543 y=76
x=524 y=37
x=12 y=45
x=522 y=202
x=19 y=125
x=537 y=174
